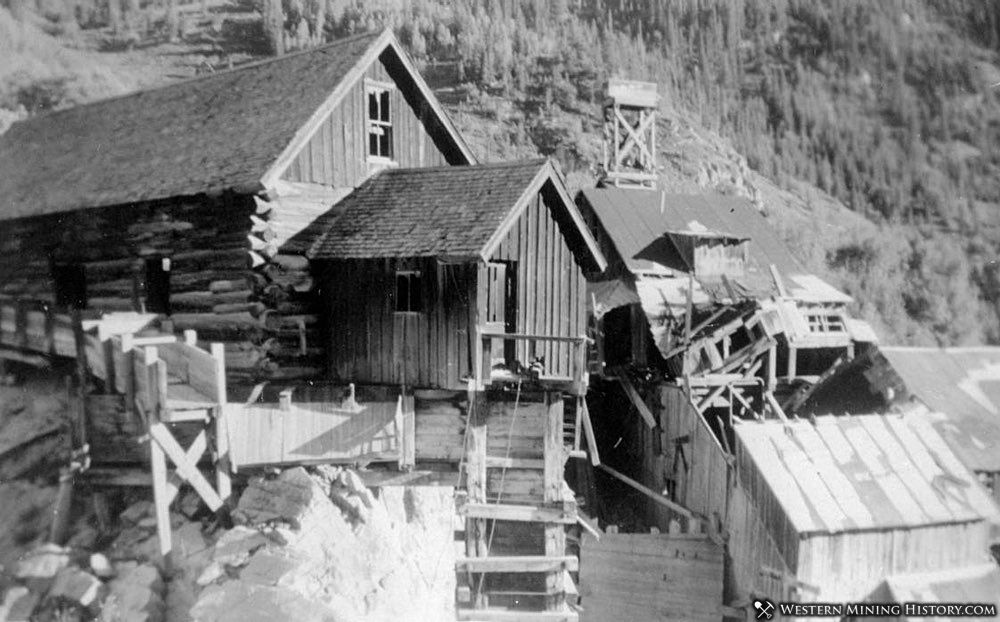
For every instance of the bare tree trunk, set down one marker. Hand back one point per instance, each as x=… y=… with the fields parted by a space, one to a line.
x=274 y=26
x=133 y=17
x=172 y=20
x=115 y=15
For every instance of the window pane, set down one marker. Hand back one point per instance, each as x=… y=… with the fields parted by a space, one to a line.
x=385 y=140
x=402 y=292
x=373 y=106
x=372 y=144
x=384 y=101
x=416 y=295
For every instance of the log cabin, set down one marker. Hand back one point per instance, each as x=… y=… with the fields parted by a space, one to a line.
x=182 y=200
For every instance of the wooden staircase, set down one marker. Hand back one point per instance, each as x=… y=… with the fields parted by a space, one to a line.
x=515 y=564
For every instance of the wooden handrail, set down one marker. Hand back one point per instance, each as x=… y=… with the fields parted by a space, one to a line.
x=484 y=334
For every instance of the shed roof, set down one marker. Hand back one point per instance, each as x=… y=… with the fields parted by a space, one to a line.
x=972 y=584
x=862 y=473
x=636 y=220
x=964 y=384
x=457 y=212
x=220 y=131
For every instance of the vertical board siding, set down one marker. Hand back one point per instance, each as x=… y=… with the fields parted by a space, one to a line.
x=337 y=155
x=551 y=296
x=650 y=577
x=370 y=342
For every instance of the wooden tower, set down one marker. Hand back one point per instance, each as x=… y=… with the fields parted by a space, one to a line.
x=629 y=150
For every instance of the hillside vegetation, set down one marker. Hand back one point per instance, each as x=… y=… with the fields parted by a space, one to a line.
x=868 y=130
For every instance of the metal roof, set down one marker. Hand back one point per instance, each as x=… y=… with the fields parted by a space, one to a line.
x=964 y=384
x=636 y=220
x=862 y=473
x=973 y=584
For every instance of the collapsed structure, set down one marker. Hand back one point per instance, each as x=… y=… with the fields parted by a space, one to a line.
x=299 y=261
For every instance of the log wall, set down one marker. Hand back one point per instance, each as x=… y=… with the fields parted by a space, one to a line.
x=262 y=314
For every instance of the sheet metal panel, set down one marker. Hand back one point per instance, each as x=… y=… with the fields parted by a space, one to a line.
x=964 y=384
x=865 y=472
x=634 y=219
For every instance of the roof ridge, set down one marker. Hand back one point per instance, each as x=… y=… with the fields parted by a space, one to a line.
x=533 y=162
x=191 y=79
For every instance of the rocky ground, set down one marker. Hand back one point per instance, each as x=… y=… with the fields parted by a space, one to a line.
x=301 y=545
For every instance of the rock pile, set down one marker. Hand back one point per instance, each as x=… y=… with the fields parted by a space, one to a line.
x=324 y=547
x=306 y=545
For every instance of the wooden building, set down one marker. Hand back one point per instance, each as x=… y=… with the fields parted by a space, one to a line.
x=181 y=200
x=675 y=256
x=847 y=503
x=417 y=266
x=961 y=385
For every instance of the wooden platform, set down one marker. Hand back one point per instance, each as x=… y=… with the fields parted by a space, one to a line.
x=313 y=433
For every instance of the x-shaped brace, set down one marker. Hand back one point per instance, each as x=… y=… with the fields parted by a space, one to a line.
x=633 y=135
x=186 y=465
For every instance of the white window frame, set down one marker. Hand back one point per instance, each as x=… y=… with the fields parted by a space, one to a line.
x=374 y=87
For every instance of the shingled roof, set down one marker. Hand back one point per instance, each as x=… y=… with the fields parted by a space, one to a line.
x=212 y=133
x=437 y=212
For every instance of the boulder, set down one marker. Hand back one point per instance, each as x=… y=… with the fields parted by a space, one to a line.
x=287 y=498
x=18 y=604
x=234 y=547
x=238 y=601
x=100 y=566
x=38 y=568
x=138 y=511
x=136 y=595
x=76 y=586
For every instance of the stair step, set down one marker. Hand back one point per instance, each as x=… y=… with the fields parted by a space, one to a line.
x=522 y=513
x=497 y=462
x=519 y=563
x=513 y=615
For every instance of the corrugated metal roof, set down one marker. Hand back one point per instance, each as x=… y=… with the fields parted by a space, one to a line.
x=862 y=473
x=636 y=219
x=964 y=384
x=973 y=584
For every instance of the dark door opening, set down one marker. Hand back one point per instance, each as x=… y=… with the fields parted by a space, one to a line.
x=70 y=281
x=158 y=285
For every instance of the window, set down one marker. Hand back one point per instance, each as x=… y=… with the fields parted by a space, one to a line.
x=70 y=282
x=379 y=124
x=158 y=285
x=409 y=295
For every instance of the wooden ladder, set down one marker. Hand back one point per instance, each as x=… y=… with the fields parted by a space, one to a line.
x=550 y=512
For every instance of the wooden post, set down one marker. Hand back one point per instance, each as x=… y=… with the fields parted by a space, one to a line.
x=772 y=367
x=792 y=361
x=554 y=454
x=158 y=459
x=223 y=467
x=50 y=330
x=20 y=324
x=161 y=499
x=475 y=483
x=555 y=461
x=81 y=379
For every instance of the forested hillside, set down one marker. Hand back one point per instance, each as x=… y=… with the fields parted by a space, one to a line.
x=888 y=108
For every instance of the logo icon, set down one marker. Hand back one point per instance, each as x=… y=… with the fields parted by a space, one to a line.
x=765 y=609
